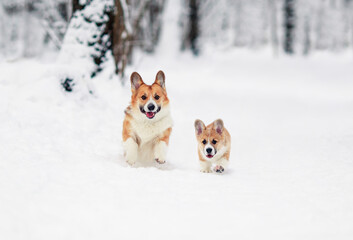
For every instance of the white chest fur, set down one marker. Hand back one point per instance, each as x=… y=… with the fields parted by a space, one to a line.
x=148 y=130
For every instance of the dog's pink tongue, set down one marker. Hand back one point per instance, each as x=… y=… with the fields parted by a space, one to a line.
x=150 y=114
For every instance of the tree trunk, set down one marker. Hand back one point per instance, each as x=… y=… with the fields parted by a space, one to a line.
x=27 y=31
x=273 y=26
x=76 y=6
x=307 y=39
x=289 y=26
x=121 y=37
x=127 y=29
x=192 y=27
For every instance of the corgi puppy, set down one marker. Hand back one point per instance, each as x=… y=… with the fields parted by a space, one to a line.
x=213 y=145
x=147 y=124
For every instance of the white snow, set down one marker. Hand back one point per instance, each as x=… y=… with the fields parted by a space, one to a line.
x=63 y=176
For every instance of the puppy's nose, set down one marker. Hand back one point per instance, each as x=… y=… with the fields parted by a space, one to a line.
x=209 y=150
x=151 y=106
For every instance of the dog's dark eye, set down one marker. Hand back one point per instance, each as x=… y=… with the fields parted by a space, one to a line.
x=204 y=141
x=143 y=97
x=214 y=141
x=156 y=97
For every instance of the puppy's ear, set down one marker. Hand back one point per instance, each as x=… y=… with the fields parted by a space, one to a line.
x=199 y=126
x=160 y=79
x=218 y=126
x=136 y=81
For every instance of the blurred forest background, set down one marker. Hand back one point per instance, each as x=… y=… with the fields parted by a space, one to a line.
x=93 y=28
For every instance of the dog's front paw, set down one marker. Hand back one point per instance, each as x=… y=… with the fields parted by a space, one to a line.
x=160 y=161
x=131 y=162
x=218 y=169
x=206 y=170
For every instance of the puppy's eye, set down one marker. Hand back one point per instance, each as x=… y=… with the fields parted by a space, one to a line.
x=143 y=97
x=204 y=141
x=156 y=97
x=214 y=141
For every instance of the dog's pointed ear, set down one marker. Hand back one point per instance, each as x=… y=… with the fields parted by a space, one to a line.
x=218 y=126
x=136 y=81
x=199 y=126
x=160 y=79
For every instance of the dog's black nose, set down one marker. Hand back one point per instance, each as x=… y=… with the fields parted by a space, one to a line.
x=209 y=150
x=151 y=106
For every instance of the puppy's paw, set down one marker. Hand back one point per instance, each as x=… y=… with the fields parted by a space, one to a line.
x=160 y=161
x=130 y=162
x=205 y=170
x=218 y=169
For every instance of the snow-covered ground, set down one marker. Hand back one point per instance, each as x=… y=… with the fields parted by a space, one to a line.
x=63 y=176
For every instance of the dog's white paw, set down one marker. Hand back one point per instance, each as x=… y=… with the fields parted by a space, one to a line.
x=131 y=162
x=130 y=149
x=160 y=161
x=206 y=170
x=160 y=152
x=218 y=169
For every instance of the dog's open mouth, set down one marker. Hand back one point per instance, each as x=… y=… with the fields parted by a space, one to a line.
x=209 y=156
x=150 y=115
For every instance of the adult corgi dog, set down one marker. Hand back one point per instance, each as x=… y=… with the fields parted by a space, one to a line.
x=213 y=145
x=147 y=124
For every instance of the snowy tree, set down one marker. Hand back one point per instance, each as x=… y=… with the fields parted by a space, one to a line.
x=87 y=41
x=332 y=25
x=88 y=36
x=229 y=23
x=104 y=29
x=136 y=23
x=251 y=23
x=29 y=26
